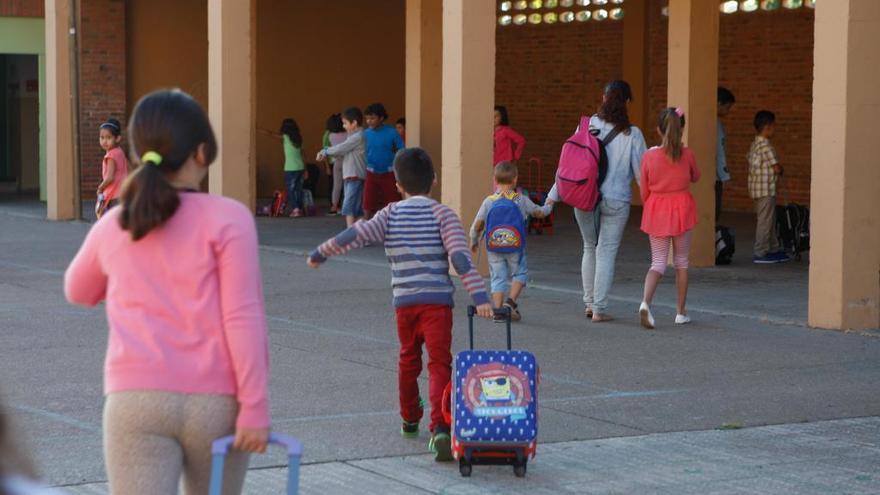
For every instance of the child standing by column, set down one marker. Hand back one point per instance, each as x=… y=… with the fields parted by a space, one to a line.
x=670 y=212
x=354 y=164
x=383 y=142
x=114 y=168
x=334 y=135
x=187 y=358
x=764 y=172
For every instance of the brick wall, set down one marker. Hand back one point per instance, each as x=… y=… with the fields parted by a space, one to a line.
x=21 y=8
x=102 y=81
x=766 y=59
x=548 y=74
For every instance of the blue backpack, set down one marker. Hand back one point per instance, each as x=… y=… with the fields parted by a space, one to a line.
x=505 y=226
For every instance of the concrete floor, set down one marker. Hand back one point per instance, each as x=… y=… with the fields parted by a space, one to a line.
x=748 y=360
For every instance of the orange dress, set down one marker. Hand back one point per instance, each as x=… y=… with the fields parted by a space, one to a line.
x=669 y=209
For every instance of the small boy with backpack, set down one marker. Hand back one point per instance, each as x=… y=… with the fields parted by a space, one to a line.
x=504 y=218
x=421 y=237
x=764 y=172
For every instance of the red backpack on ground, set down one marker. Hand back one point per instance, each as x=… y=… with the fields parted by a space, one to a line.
x=583 y=165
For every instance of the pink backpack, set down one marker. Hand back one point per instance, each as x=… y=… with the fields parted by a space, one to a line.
x=582 y=167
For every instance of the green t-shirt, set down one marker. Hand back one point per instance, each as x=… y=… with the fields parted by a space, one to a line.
x=293 y=158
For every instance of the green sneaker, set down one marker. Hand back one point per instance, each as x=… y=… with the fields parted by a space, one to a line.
x=441 y=446
x=409 y=430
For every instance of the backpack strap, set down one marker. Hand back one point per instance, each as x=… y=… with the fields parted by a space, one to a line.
x=611 y=135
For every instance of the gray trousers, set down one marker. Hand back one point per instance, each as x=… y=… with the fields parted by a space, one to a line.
x=151 y=438
x=765 y=229
x=601 y=242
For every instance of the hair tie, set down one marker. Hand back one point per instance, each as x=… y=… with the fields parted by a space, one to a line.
x=679 y=112
x=152 y=156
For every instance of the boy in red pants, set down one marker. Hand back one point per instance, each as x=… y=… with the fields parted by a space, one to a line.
x=421 y=238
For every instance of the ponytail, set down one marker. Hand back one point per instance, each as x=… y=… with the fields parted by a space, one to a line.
x=148 y=201
x=671 y=125
x=166 y=129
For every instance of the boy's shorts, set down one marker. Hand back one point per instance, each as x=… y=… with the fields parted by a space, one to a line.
x=379 y=190
x=504 y=267
x=352 y=205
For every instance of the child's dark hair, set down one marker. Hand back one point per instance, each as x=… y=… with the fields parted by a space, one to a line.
x=671 y=124
x=764 y=118
x=334 y=123
x=414 y=170
x=502 y=112
x=506 y=173
x=725 y=96
x=401 y=121
x=113 y=126
x=613 y=109
x=353 y=114
x=376 y=109
x=290 y=129
x=174 y=126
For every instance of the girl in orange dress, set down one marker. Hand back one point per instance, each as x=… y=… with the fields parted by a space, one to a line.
x=669 y=212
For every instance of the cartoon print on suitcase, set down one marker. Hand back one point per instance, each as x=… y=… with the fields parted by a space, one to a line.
x=495 y=397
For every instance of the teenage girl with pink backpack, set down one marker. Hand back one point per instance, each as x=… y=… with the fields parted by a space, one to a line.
x=602 y=226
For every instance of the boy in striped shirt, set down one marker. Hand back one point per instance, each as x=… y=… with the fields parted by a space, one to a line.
x=421 y=237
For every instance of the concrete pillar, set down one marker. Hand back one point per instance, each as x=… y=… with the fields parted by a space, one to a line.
x=636 y=69
x=468 y=103
x=693 y=83
x=635 y=61
x=424 y=79
x=60 y=175
x=231 y=98
x=845 y=218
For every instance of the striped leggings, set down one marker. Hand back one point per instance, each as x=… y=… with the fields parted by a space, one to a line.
x=660 y=252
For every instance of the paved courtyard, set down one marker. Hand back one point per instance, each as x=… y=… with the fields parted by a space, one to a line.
x=678 y=410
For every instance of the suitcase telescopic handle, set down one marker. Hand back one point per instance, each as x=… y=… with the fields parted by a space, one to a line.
x=221 y=446
x=472 y=311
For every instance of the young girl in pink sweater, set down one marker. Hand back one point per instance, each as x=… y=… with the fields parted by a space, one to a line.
x=669 y=213
x=187 y=358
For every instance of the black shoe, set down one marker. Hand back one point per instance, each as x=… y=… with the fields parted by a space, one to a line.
x=409 y=430
x=498 y=318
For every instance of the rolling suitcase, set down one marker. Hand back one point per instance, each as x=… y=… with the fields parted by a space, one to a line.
x=221 y=446
x=494 y=406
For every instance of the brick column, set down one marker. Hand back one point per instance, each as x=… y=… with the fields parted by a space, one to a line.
x=60 y=179
x=231 y=97
x=845 y=223
x=693 y=83
x=424 y=76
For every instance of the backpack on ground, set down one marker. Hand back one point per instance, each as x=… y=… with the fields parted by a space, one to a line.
x=583 y=165
x=279 y=199
x=505 y=226
x=725 y=244
x=793 y=228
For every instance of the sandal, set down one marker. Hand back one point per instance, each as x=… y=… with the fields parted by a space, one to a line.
x=588 y=312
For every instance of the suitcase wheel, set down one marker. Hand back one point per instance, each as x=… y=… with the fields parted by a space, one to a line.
x=465 y=468
x=519 y=469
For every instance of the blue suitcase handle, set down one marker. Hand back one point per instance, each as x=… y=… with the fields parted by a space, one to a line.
x=221 y=446
x=472 y=311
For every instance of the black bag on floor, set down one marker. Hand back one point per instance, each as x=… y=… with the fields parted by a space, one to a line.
x=725 y=244
x=793 y=228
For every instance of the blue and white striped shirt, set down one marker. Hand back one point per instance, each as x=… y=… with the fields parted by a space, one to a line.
x=421 y=238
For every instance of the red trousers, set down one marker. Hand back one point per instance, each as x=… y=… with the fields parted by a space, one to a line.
x=379 y=190
x=431 y=325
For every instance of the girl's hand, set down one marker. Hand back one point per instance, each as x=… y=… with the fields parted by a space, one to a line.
x=251 y=439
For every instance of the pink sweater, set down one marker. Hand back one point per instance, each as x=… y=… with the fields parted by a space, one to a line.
x=184 y=304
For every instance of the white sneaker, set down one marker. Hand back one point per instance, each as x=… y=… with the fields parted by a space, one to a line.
x=682 y=319
x=645 y=316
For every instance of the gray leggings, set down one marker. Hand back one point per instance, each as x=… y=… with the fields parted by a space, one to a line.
x=151 y=438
